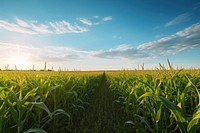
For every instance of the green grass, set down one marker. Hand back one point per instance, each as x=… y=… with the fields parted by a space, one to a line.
x=97 y=102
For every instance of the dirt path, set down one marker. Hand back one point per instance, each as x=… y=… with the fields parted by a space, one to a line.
x=98 y=116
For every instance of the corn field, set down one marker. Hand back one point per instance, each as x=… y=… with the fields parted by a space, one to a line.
x=154 y=101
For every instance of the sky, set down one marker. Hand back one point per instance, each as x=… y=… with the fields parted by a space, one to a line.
x=99 y=34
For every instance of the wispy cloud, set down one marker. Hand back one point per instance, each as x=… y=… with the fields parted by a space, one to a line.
x=65 y=27
x=179 y=19
x=22 y=23
x=183 y=40
x=194 y=29
x=107 y=18
x=122 y=47
x=42 y=29
x=52 y=27
x=33 y=27
x=123 y=52
x=95 y=21
x=86 y=21
x=95 y=16
x=180 y=41
x=43 y=53
x=15 y=27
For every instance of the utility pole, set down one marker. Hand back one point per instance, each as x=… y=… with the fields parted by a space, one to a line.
x=7 y=67
x=33 y=67
x=143 y=66
x=45 y=65
x=15 y=67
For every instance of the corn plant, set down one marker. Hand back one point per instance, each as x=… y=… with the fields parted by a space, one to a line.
x=163 y=100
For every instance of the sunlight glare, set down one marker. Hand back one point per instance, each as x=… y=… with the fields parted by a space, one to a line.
x=20 y=61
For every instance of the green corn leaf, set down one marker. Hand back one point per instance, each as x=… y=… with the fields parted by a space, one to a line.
x=169 y=104
x=151 y=87
x=145 y=95
x=30 y=93
x=192 y=126
x=177 y=112
x=14 y=114
x=61 y=112
x=41 y=105
x=35 y=130
x=159 y=112
x=170 y=65
x=55 y=87
x=26 y=115
x=143 y=120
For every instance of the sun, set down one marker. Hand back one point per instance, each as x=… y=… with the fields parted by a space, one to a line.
x=19 y=61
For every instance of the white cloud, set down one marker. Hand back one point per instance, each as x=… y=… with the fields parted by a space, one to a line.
x=156 y=45
x=185 y=39
x=181 y=41
x=41 y=29
x=57 y=56
x=56 y=27
x=179 y=19
x=85 y=21
x=42 y=53
x=22 y=23
x=33 y=27
x=107 y=18
x=122 y=47
x=15 y=27
x=95 y=22
x=190 y=30
x=65 y=27
x=123 y=51
x=95 y=16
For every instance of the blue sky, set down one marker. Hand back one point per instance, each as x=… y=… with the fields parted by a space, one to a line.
x=94 y=34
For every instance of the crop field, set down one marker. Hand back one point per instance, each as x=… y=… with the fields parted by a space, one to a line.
x=137 y=101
